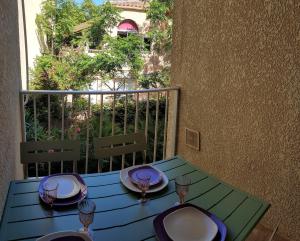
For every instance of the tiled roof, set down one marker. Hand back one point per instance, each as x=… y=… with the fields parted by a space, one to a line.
x=131 y=4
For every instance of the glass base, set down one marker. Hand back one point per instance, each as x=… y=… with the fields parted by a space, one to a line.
x=88 y=232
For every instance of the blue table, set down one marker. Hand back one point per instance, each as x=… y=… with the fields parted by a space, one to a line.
x=119 y=217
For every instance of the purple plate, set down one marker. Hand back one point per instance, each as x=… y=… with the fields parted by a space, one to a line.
x=67 y=201
x=163 y=236
x=155 y=175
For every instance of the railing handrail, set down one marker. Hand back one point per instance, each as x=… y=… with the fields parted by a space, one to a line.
x=97 y=92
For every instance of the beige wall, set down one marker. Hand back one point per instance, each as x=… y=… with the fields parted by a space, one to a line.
x=9 y=96
x=32 y=8
x=238 y=65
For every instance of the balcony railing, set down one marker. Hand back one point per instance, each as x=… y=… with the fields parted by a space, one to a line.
x=84 y=115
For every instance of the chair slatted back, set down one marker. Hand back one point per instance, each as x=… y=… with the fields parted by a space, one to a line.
x=130 y=143
x=49 y=151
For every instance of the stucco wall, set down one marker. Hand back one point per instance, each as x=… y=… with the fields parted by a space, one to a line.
x=238 y=65
x=32 y=8
x=9 y=95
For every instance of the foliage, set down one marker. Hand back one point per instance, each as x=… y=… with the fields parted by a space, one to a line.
x=63 y=67
x=160 y=33
x=127 y=51
x=74 y=70
x=58 y=18
x=106 y=17
x=56 y=22
x=155 y=79
x=159 y=14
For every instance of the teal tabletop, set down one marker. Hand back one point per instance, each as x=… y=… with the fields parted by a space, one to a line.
x=119 y=216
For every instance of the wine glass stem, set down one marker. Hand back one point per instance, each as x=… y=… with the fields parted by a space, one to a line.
x=182 y=199
x=85 y=228
x=143 y=196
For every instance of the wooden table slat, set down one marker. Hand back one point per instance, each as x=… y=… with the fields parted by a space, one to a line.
x=223 y=209
x=255 y=219
x=238 y=220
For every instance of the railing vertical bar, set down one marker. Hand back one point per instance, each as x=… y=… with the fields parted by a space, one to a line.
x=125 y=127
x=147 y=122
x=166 y=124
x=101 y=117
x=49 y=116
x=156 y=128
x=22 y=109
x=63 y=127
x=100 y=129
x=113 y=126
x=35 y=132
x=49 y=128
x=136 y=122
x=87 y=135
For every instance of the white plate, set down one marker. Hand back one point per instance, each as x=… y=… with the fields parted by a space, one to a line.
x=127 y=183
x=190 y=224
x=68 y=185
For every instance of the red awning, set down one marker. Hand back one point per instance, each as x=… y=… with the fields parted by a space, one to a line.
x=128 y=25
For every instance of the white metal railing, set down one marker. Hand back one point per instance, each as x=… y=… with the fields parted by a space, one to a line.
x=167 y=97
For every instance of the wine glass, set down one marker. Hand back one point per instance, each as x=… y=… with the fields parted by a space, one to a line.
x=143 y=184
x=182 y=184
x=50 y=192
x=86 y=215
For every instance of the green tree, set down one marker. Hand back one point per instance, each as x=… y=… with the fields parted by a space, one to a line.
x=63 y=67
x=160 y=33
x=129 y=50
x=106 y=17
x=73 y=70
x=56 y=22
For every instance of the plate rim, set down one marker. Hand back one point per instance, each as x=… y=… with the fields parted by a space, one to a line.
x=162 y=235
x=67 y=233
x=83 y=191
x=124 y=180
x=75 y=180
x=185 y=207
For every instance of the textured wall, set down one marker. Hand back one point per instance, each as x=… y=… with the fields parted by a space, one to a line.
x=9 y=96
x=238 y=65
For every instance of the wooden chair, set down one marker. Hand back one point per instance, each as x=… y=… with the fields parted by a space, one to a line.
x=120 y=146
x=49 y=151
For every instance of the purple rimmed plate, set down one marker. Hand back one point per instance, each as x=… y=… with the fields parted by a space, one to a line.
x=162 y=235
x=145 y=170
x=65 y=201
x=65 y=236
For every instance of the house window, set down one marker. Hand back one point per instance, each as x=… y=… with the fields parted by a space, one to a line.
x=147 y=42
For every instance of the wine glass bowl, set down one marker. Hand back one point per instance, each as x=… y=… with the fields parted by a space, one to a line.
x=50 y=192
x=182 y=184
x=86 y=214
x=143 y=184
